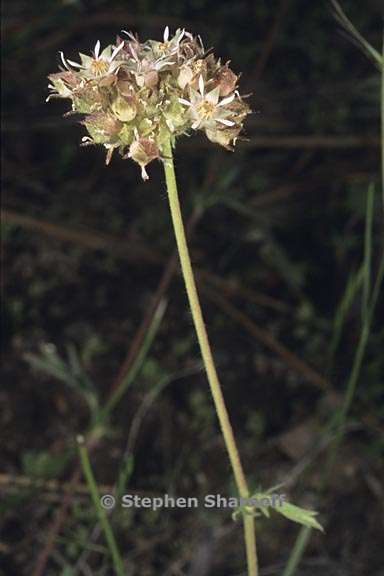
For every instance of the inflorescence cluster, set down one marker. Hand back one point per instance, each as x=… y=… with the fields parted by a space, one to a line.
x=134 y=96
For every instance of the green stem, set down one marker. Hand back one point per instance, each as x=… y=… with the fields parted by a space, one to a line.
x=297 y=551
x=90 y=479
x=382 y=119
x=221 y=410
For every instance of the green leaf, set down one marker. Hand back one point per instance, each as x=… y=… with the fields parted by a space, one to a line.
x=43 y=464
x=299 y=515
x=67 y=571
x=68 y=370
x=263 y=502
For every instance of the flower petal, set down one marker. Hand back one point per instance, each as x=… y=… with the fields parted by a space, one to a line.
x=225 y=122
x=64 y=60
x=144 y=174
x=134 y=54
x=132 y=37
x=116 y=51
x=213 y=96
x=160 y=64
x=75 y=64
x=201 y=85
x=166 y=34
x=181 y=35
x=97 y=49
x=226 y=100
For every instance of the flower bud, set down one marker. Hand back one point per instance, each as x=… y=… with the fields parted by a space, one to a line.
x=103 y=127
x=151 y=79
x=143 y=151
x=108 y=81
x=226 y=80
x=225 y=137
x=124 y=109
x=64 y=83
x=185 y=76
x=88 y=98
x=125 y=83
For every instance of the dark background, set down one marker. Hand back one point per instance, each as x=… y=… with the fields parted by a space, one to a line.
x=278 y=235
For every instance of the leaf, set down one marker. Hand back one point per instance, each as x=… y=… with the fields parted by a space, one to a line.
x=278 y=503
x=70 y=371
x=67 y=571
x=48 y=366
x=43 y=464
x=299 y=515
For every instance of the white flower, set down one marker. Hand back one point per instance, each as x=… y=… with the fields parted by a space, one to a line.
x=154 y=57
x=170 y=47
x=206 y=109
x=101 y=64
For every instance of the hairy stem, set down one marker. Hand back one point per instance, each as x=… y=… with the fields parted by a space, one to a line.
x=221 y=410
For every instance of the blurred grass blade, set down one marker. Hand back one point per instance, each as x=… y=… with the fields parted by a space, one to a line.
x=92 y=486
x=297 y=551
x=337 y=421
x=376 y=287
x=355 y=36
x=368 y=250
x=353 y=286
x=341 y=415
x=382 y=121
x=125 y=474
x=73 y=360
x=137 y=364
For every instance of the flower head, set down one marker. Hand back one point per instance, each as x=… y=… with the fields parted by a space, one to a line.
x=134 y=95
